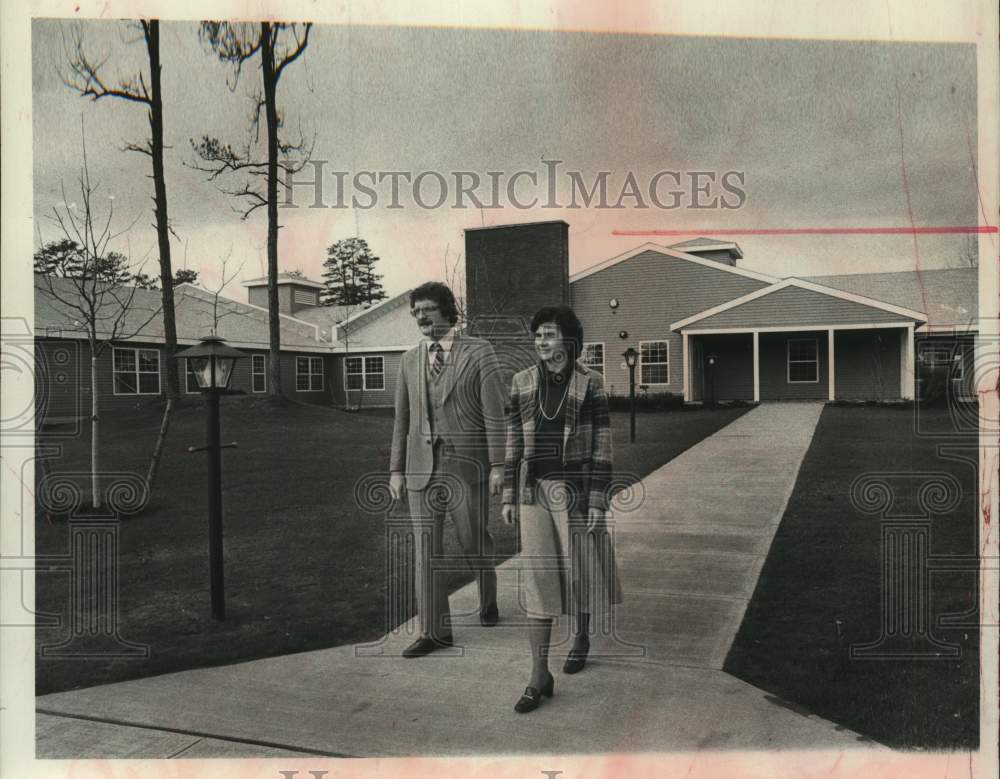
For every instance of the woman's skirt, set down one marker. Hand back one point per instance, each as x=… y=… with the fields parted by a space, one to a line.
x=563 y=569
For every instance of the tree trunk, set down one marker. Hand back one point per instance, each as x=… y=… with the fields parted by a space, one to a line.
x=95 y=487
x=271 y=115
x=160 y=210
x=154 y=462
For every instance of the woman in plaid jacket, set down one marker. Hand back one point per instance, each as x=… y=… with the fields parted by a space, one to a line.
x=556 y=477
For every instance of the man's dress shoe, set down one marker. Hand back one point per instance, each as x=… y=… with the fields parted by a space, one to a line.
x=425 y=645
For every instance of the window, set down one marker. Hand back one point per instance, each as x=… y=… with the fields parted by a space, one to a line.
x=945 y=358
x=936 y=357
x=654 y=362
x=374 y=373
x=354 y=373
x=258 y=373
x=803 y=361
x=190 y=380
x=309 y=374
x=364 y=373
x=304 y=297
x=136 y=371
x=593 y=357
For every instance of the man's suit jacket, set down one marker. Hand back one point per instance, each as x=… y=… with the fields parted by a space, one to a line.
x=470 y=418
x=586 y=439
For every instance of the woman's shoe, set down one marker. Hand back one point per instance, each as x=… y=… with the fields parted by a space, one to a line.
x=576 y=660
x=532 y=696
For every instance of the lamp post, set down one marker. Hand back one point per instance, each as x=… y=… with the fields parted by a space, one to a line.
x=212 y=363
x=631 y=357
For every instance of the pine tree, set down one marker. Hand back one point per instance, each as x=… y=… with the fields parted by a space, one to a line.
x=66 y=259
x=350 y=276
x=185 y=276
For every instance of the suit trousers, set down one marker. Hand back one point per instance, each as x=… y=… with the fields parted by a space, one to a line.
x=457 y=489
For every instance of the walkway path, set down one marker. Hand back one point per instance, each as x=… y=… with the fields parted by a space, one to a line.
x=690 y=556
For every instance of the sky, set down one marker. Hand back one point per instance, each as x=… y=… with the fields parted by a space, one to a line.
x=823 y=133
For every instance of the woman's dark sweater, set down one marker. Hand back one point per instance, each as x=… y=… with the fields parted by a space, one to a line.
x=552 y=388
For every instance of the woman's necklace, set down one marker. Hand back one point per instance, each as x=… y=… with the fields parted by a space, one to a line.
x=541 y=401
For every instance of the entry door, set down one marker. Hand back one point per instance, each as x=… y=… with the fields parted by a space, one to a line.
x=697 y=371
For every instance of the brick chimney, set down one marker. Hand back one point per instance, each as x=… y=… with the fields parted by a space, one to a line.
x=511 y=271
x=294 y=293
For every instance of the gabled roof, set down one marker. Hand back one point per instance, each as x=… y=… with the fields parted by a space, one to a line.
x=384 y=327
x=240 y=324
x=301 y=327
x=376 y=310
x=949 y=296
x=326 y=318
x=677 y=254
x=903 y=313
x=324 y=315
x=54 y=318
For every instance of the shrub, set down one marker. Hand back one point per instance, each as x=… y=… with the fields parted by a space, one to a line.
x=647 y=401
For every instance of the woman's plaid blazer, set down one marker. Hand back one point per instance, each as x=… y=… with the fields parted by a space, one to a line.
x=586 y=438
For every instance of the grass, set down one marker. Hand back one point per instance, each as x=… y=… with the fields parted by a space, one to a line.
x=304 y=564
x=820 y=589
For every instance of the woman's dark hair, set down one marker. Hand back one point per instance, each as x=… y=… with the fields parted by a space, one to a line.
x=566 y=319
x=437 y=293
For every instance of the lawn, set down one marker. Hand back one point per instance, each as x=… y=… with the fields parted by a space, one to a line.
x=305 y=564
x=821 y=587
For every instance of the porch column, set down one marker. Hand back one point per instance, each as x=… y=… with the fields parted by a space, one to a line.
x=756 y=367
x=907 y=361
x=832 y=384
x=686 y=372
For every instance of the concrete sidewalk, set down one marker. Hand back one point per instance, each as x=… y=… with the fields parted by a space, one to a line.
x=690 y=552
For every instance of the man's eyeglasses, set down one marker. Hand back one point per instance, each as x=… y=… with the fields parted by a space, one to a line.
x=419 y=310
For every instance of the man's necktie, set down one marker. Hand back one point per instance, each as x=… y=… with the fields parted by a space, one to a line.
x=438 y=363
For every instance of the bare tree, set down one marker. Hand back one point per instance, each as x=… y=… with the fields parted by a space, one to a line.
x=454 y=277
x=86 y=76
x=98 y=302
x=277 y=45
x=224 y=280
x=491 y=303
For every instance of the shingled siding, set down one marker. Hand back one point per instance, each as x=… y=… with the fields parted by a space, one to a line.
x=62 y=370
x=63 y=367
x=795 y=307
x=774 y=384
x=367 y=398
x=866 y=364
x=242 y=379
x=257 y=296
x=321 y=397
x=61 y=373
x=653 y=291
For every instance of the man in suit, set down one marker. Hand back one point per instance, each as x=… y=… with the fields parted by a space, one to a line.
x=447 y=450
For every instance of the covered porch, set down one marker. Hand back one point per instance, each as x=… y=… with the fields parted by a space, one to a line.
x=833 y=363
x=796 y=340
